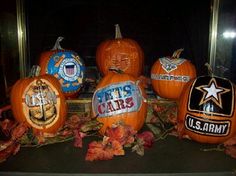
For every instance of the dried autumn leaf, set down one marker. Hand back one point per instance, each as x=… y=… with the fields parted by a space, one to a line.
x=10 y=150
x=172 y=118
x=122 y=133
x=19 y=131
x=231 y=151
x=72 y=122
x=78 y=138
x=117 y=148
x=138 y=147
x=147 y=137
x=5 y=144
x=97 y=151
x=230 y=141
x=6 y=126
x=92 y=125
x=158 y=108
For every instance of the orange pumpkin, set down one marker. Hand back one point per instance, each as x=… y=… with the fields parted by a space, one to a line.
x=66 y=66
x=122 y=53
x=207 y=110
x=119 y=98
x=170 y=74
x=39 y=102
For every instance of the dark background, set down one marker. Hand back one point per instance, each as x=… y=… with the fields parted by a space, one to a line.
x=160 y=28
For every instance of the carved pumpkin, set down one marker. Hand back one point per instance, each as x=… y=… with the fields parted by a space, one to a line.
x=122 y=53
x=39 y=102
x=119 y=98
x=170 y=74
x=207 y=110
x=66 y=66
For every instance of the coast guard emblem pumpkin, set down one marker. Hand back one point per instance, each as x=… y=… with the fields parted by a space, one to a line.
x=66 y=66
x=170 y=74
x=118 y=98
x=39 y=102
x=207 y=110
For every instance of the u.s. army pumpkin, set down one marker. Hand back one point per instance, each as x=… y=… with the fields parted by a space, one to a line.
x=119 y=99
x=207 y=110
x=39 y=102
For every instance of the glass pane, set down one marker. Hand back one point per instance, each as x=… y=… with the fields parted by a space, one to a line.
x=9 y=57
x=225 y=61
x=160 y=28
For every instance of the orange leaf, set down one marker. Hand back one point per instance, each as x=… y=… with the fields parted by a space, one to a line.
x=231 y=150
x=117 y=148
x=230 y=141
x=97 y=151
x=19 y=131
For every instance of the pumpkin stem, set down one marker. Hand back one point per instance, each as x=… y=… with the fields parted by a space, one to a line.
x=177 y=53
x=210 y=71
x=35 y=70
x=57 y=45
x=118 y=33
x=117 y=70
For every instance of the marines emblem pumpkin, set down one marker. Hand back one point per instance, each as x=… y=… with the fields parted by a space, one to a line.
x=207 y=110
x=39 y=102
x=119 y=98
x=66 y=66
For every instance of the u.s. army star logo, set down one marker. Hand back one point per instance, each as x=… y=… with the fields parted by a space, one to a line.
x=212 y=92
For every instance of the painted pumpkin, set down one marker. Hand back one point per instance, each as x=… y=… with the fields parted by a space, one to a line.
x=122 y=53
x=66 y=66
x=207 y=110
x=118 y=98
x=39 y=102
x=169 y=75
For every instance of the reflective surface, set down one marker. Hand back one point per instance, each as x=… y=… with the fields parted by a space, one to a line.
x=225 y=59
x=9 y=55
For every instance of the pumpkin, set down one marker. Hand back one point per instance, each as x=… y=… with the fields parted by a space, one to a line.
x=66 y=66
x=122 y=53
x=206 y=110
x=39 y=102
x=169 y=75
x=119 y=99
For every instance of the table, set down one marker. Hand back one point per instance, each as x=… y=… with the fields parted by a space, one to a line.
x=169 y=156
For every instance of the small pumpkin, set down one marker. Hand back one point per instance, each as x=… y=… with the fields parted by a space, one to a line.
x=39 y=102
x=119 y=99
x=169 y=75
x=207 y=110
x=122 y=53
x=66 y=66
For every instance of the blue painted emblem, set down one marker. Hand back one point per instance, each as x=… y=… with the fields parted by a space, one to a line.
x=68 y=68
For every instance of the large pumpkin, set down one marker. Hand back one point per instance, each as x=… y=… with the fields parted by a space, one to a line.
x=39 y=102
x=207 y=110
x=66 y=66
x=122 y=53
x=119 y=98
x=170 y=74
